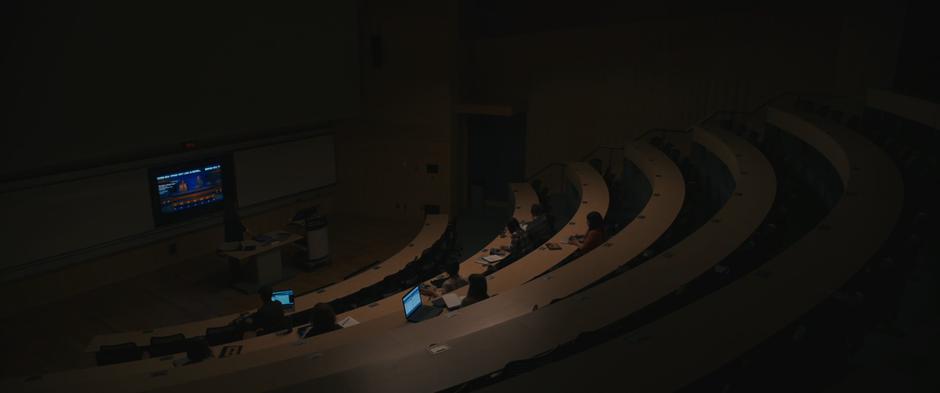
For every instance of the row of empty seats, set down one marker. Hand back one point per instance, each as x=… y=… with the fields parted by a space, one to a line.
x=722 y=326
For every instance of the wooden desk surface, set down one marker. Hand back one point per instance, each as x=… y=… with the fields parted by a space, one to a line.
x=593 y=191
x=736 y=318
x=388 y=311
x=263 y=248
x=433 y=228
x=523 y=196
x=660 y=212
x=485 y=350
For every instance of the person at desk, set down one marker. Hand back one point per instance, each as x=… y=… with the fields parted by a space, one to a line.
x=519 y=243
x=476 y=291
x=235 y=230
x=270 y=316
x=540 y=228
x=322 y=320
x=452 y=282
x=595 y=235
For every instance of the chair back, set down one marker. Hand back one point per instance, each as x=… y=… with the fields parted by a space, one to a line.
x=167 y=345
x=223 y=335
x=118 y=353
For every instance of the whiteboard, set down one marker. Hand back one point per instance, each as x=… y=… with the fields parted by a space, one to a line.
x=52 y=220
x=59 y=218
x=284 y=169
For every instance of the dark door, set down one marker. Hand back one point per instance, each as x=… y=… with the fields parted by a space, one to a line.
x=495 y=156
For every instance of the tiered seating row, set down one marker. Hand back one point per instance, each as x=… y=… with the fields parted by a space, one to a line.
x=432 y=230
x=484 y=351
x=594 y=195
x=686 y=345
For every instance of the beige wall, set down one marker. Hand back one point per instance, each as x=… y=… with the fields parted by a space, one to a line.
x=191 y=247
x=381 y=157
x=407 y=116
x=581 y=87
x=870 y=41
x=595 y=86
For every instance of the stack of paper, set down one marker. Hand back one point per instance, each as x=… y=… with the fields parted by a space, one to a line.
x=494 y=258
x=452 y=300
x=347 y=322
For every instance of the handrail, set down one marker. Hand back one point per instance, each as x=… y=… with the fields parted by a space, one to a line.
x=593 y=152
x=707 y=119
x=766 y=103
x=543 y=169
x=652 y=130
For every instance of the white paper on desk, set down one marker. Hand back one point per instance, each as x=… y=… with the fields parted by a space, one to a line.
x=347 y=322
x=484 y=263
x=493 y=258
x=452 y=300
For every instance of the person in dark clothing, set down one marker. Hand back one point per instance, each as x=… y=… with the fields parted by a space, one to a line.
x=453 y=281
x=596 y=233
x=595 y=236
x=476 y=291
x=270 y=316
x=520 y=239
x=518 y=246
x=539 y=229
x=322 y=320
x=234 y=229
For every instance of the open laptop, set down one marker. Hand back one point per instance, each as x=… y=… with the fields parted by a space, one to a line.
x=286 y=297
x=415 y=309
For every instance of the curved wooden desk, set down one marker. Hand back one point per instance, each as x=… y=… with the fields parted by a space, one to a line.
x=523 y=197
x=388 y=308
x=432 y=230
x=511 y=303
x=488 y=350
x=386 y=313
x=684 y=346
x=381 y=327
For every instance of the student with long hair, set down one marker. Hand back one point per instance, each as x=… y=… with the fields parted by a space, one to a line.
x=476 y=291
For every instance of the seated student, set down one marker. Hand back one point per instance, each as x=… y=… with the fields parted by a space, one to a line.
x=452 y=282
x=595 y=235
x=270 y=316
x=477 y=290
x=520 y=238
x=518 y=246
x=539 y=229
x=322 y=320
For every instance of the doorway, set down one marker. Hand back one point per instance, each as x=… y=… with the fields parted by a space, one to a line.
x=495 y=158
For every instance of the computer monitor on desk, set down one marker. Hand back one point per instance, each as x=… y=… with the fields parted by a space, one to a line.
x=285 y=297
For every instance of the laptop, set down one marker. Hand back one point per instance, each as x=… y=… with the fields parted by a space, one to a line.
x=415 y=309
x=286 y=297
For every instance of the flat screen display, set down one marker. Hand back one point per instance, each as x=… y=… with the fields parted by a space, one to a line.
x=188 y=190
x=285 y=297
x=411 y=301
